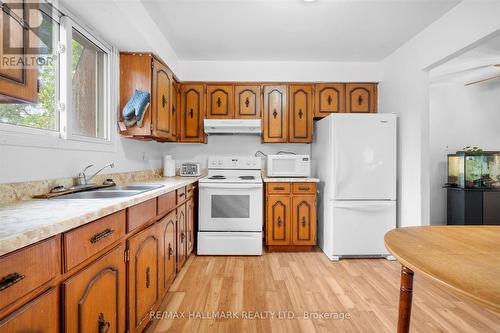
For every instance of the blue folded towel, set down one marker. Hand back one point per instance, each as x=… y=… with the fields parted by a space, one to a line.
x=134 y=110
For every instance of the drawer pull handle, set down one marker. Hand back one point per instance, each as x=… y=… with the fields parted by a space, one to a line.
x=279 y=221
x=182 y=194
x=148 y=279
x=10 y=280
x=279 y=188
x=103 y=324
x=303 y=221
x=103 y=234
x=304 y=188
x=170 y=251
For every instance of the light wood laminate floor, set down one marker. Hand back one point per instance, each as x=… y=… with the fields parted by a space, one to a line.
x=366 y=289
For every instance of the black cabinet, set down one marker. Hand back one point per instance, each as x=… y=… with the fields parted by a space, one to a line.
x=473 y=207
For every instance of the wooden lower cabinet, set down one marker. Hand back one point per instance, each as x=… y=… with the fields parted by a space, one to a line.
x=290 y=216
x=168 y=227
x=181 y=236
x=145 y=275
x=94 y=298
x=41 y=315
x=190 y=226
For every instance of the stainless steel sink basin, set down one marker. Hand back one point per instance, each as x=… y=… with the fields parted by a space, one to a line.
x=110 y=192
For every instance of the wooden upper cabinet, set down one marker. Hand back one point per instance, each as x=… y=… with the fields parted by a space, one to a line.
x=162 y=102
x=304 y=220
x=247 y=101
x=278 y=220
x=192 y=110
x=329 y=98
x=94 y=298
x=175 y=95
x=301 y=113
x=220 y=102
x=18 y=83
x=275 y=114
x=361 y=97
x=145 y=278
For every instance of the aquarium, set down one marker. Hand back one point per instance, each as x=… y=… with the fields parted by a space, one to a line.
x=478 y=170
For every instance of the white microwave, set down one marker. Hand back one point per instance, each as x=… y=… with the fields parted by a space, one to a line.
x=288 y=165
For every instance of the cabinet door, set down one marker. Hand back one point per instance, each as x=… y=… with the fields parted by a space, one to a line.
x=190 y=226
x=145 y=277
x=168 y=227
x=278 y=220
x=162 y=101
x=220 y=102
x=40 y=315
x=304 y=220
x=181 y=236
x=301 y=113
x=329 y=98
x=94 y=298
x=361 y=97
x=247 y=101
x=175 y=94
x=192 y=113
x=275 y=117
x=17 y=82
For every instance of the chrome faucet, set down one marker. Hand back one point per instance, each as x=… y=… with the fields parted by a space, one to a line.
x=82 y=178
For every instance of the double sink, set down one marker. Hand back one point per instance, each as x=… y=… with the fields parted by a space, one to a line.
x=110 y=192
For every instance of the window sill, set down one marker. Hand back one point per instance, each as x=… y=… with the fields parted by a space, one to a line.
x=28 y=137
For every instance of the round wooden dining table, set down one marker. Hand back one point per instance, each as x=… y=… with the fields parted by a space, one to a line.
x=462 y=259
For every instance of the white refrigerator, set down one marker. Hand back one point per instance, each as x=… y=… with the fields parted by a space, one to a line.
x=354 y=156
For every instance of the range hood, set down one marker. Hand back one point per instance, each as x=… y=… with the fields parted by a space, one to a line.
x=233 y=126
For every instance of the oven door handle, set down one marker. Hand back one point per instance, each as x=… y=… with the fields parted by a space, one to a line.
x=229 y=185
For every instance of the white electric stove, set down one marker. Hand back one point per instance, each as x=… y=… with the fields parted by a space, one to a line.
x=230 y=207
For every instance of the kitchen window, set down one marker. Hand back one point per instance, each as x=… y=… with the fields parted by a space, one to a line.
x=75 y=84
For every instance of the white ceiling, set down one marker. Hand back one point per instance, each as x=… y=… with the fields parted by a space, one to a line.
x=292 y=30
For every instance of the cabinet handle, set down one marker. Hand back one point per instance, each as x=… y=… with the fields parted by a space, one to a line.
x=182 y=195
x=191 y=113
x=148 y=279
x=10 y=280
x=303 y=221
x=173 y=109
x=247 y=102
x=329 y=100
x=304 y=188
x=170 y=251
x=279 y=188
x=101 y=235
x=300 y=113
x=360 y=99
x=218 y=102
x=182 y=237
x=279 y=221
x=163 y=100
x=102 y=324
x=275 y=114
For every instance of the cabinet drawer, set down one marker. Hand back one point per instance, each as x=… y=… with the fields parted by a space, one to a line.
x=304 y=188
x=190 y=190
x=278 y=188
x=140 y=214
x=181 y=194
x=29 y=268
x=85 y=241
x=166 y=203
x=39 y=315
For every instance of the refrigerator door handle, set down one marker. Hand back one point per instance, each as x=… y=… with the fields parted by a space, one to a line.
x=364 y=206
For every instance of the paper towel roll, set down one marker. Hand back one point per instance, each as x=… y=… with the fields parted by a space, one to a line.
x=168 y=166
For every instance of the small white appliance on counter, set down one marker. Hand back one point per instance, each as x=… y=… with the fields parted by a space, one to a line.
x=231 y=207
x=168 y=166
x=288 y=165
x=190 y=169
x=355 y=158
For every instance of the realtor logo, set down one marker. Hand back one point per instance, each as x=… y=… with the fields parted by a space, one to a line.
x=27 y=38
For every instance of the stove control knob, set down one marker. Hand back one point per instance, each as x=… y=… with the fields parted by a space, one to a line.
x=248 y=163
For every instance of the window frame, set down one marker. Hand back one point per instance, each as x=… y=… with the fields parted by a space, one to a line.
x=65 y=137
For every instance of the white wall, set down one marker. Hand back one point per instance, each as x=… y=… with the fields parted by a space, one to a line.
x=459 y=116
x=240 y=145
x=405 y=90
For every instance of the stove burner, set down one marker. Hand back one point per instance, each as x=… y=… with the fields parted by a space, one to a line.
x=247 y=177
x=217 y=177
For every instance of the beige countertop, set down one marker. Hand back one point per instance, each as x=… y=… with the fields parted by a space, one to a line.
x=289 y=180
x=26 y=222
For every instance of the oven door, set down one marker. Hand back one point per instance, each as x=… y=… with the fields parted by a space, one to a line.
x=230 y=207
